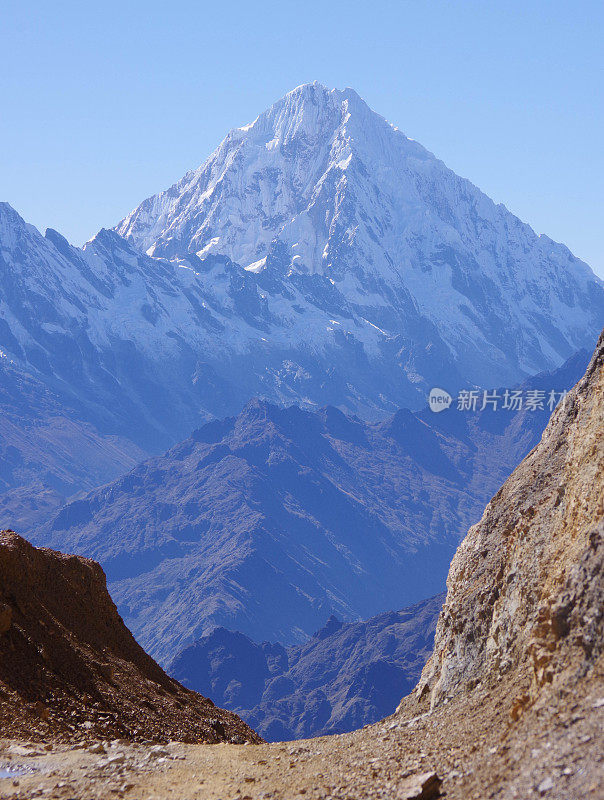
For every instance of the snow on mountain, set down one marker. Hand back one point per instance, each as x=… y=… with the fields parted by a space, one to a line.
x=318 y=257
x=320 y=186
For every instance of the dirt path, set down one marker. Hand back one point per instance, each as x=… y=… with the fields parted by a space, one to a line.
x=554 y=752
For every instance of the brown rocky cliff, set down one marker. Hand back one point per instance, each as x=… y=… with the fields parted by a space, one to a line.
x=70 y=668
x=525 y=587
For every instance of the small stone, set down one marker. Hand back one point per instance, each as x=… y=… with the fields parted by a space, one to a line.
x=545 y=786
x=23 y=752
x=599 y=702
x=158 y=751
x=217 y=727
x=41 y=710
x=422 y=787
x=97 y=749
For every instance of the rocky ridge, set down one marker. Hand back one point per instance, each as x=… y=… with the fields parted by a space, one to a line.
x=269 y=522
x=69 y=668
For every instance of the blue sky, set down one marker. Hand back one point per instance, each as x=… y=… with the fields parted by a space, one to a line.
x=103 y=104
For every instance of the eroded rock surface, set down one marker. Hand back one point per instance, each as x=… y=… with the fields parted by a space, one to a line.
x=525 y=587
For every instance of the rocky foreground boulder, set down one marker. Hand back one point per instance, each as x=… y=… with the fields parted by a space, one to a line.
x=71 y=670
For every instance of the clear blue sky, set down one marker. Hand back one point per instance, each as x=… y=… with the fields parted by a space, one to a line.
x=105 y=103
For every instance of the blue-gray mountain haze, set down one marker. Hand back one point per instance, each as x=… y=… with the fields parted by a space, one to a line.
x=345 y=676
x=273 y=520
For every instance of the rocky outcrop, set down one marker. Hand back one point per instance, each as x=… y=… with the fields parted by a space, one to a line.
x=525 y=588
x=70 y=669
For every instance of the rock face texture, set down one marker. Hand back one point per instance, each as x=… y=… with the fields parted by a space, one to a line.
x=525 y=588
x=344 y=677
x=70 y=669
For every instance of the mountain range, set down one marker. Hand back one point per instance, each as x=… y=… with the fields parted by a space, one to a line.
x=339 y=214
x=509 y=704
x=318 y=257
x=345 y=676
x=269 y=522
x=223 y=400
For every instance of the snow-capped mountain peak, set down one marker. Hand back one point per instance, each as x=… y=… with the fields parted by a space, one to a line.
x=243 y=193
x=319 y=184
x=318 y=256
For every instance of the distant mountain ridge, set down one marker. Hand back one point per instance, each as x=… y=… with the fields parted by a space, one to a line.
x=271 y=521
x=345 y=676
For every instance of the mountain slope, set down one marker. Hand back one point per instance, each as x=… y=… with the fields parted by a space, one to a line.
x=321 y=192
x=48 y=453
x=346 y=676
x=510 y=702
x=70 y=669
x=108 y=330
x=270 y=522
x=534 y=606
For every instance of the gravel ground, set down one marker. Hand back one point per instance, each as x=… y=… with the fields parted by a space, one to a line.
x=472 y=744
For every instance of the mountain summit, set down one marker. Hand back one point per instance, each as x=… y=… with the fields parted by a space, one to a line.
x=319 y=257
x=294 y=158
x=422 y=268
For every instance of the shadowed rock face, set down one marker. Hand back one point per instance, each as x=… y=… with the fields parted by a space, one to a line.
x=525 y=587
x=346 y=676
x=70 y=668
